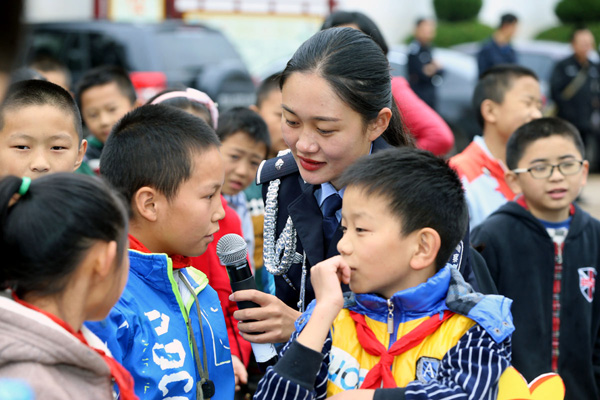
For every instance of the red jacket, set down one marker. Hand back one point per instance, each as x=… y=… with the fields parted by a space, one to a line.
x=219 y=280
x=429 y=129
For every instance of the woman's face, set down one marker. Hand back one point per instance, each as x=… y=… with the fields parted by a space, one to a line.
x=323 y=132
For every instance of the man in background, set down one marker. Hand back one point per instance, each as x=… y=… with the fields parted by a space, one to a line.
x=424 y=73
x=575 y=89
x=498 y=50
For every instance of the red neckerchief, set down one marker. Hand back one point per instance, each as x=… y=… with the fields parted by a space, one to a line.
x=178 y=260
x=121 y=376
x=521 y=201
x=382 y=370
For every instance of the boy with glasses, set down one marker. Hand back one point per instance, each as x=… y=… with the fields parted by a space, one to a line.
x=543 y=252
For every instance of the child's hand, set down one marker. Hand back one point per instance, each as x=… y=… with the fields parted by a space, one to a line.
x=325 y=278
x=272 y=322
x=239 y=370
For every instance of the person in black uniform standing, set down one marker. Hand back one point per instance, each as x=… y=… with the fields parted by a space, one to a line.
x=575 y=89
x=424 y=73
x=498 y=49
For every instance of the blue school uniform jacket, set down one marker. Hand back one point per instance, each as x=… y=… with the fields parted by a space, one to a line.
x=146 y=331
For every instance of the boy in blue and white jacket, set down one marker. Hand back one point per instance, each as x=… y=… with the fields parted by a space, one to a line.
x=167 y=165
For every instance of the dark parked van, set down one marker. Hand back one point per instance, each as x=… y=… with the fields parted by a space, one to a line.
x=170 y=53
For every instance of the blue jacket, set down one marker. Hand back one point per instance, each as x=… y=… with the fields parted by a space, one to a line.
x=463 y=359
x=492 y=54
x=146 y=331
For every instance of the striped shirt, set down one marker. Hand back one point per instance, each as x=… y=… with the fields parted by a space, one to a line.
x=469 y=370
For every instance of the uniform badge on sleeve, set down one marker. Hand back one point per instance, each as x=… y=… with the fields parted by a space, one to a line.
x=587 y=282
x=427 y=369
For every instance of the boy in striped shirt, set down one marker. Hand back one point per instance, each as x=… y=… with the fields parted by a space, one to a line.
x=411 y=328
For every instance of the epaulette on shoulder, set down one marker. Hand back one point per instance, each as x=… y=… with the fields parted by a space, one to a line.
x=278 y=167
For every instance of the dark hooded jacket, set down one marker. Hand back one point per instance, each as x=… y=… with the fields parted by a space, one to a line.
x=521 y=258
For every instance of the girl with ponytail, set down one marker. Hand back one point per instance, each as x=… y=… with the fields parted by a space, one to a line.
x=63 y=240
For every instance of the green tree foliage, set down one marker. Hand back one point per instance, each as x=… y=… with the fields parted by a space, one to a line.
x=562 y=33
x=578 y=11
x=452 y=33
x=457 y=10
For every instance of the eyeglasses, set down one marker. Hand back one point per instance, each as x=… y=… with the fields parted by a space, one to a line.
x=543 y=171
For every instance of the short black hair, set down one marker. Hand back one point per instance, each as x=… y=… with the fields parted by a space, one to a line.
x=537 y=129
x=265 y=88
x=48 y=231
x=153 y=146
x=419 y=21
x=103 y=75
x=41 y=93
x=242 y=119
x=507 y=19
x=495 y=82
x=423 y=191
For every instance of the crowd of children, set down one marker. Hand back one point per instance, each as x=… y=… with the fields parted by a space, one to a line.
x=111 y=286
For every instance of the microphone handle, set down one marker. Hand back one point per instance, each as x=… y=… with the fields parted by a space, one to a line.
x=264 y=353
x=245 y=284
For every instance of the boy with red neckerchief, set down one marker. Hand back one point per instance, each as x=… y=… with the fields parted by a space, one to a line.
x=168 y=328
x=411 y=328
x=542 y=252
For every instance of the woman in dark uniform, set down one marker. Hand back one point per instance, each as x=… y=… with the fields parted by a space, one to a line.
x=337 y=107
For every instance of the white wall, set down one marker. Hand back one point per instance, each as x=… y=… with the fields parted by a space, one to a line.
x=396 y=17
x=58 y=10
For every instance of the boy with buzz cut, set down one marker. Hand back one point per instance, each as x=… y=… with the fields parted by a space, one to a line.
x=506 y=97
x=168 y=328
x=412 y=328
x=104 y=94
x=543 y=252
x=40 y=130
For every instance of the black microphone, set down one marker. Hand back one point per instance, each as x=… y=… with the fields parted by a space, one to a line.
x=232 y=252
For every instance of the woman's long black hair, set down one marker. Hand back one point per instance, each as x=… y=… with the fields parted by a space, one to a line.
x=357 y=70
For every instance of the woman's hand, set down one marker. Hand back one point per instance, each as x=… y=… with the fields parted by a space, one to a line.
x=272 y=322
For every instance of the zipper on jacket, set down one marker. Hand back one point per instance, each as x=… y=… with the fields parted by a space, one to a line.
x=558 y=258
x=390 y=318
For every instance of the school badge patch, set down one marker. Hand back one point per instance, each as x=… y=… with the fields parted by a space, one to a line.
x=427 y=369
x=587 y=282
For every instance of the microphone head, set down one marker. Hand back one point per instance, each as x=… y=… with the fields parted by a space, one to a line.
x=231 y=249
